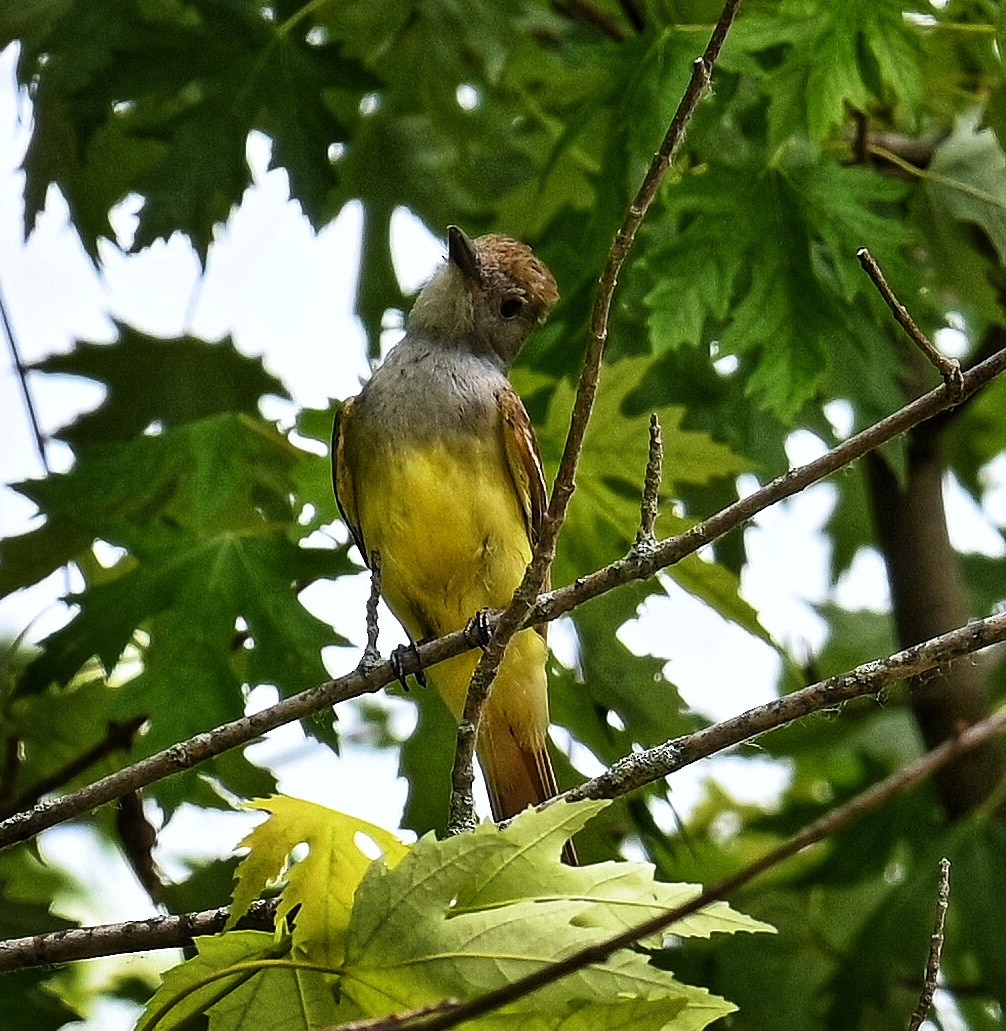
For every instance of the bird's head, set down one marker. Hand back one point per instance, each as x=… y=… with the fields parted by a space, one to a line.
x=487 y=297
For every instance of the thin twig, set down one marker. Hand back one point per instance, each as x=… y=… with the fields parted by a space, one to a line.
x=514 y=617
x=633 y=566
x=649 y=506
x=370 y=653
x=935 y=949
x=454 y=1013
x=118 y=737
x=590 y=14
x=22 y=375
x=948 y=368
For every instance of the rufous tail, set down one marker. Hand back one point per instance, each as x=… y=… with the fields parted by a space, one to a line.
x=517 y=776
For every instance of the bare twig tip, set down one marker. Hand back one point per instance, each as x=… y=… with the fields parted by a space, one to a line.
x=948 y=368
x=935 y=949
x=649 y=505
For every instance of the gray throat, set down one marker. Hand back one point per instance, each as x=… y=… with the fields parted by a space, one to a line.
x=426 y=389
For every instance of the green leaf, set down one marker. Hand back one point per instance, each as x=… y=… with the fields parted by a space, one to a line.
x=978 y=437
x=204 y=512
x=313 y=475
x=613 y=680
x=603 y=515
x=55 y=728
x=27 y=887
x=451 y=918
x=191 y=988
x=977 y=870
x=473 y=912
x=39 y=1007
x=859 y=54
x=31 y=557
x=604 y=512
x=986 y=581
x=425 y=762
x=966 y=179
x=149 y=381
x=891 y=943
x=765 y=265
x=193 y=510
x=128 y=94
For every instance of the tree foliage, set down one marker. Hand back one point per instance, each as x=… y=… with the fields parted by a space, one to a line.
x=741 y=315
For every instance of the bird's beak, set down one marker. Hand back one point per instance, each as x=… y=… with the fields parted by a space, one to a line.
x=461 y=252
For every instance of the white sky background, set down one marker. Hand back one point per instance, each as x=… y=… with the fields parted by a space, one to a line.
x=285 y=294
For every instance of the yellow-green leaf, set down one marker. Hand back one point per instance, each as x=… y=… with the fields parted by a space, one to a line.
x=324 y=882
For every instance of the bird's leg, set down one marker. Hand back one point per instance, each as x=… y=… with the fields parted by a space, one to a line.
x=397 y=660
x=479 y=629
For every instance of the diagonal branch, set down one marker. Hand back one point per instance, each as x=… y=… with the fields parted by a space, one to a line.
x=515 y=616
x=22 y=377
x=118 y=737
x=640 y=768
x=634 y=566
x=454 y=1012
x=673 y=549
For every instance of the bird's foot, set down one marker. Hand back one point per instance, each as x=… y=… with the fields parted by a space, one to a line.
x=479 y=631
x=397 y=660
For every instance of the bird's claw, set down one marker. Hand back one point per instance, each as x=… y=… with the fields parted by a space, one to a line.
x=479 y=630
x=397 y=660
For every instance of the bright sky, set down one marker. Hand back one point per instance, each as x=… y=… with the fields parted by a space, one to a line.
x=286 y=294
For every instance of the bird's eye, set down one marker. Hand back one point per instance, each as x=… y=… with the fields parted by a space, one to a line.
x=511 y=307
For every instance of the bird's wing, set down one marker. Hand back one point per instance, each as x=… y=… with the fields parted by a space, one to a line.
x=524 y=460
x=342 y=474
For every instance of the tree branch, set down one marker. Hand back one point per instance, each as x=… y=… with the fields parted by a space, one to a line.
x=22 y=377
x=633 y=566
x=118 y=737
x=650 y=504
x=640 y=768
x=370 y=653
x=673 y=549
x=515 y=616
x=159 y=932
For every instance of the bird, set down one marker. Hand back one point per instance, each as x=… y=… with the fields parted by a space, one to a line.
x=436 y=467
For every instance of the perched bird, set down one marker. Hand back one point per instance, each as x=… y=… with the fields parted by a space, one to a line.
x=437 y=468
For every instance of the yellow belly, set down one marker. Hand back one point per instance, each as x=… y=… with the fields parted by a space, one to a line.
x=450 y=531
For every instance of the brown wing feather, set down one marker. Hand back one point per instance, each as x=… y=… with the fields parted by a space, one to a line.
x=342 y=475
x=512 y=794
x=524 y=460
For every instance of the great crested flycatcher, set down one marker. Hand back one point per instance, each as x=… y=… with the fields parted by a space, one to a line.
x=437 y=468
